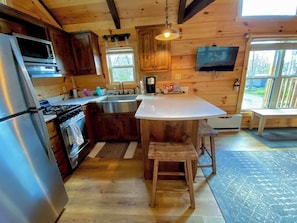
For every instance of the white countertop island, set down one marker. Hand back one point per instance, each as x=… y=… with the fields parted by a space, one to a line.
x=176 y=107
x=171 y=118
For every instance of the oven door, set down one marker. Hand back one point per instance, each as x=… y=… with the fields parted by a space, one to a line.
x=72 y=148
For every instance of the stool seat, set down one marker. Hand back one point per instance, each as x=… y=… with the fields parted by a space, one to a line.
x=206 y=130
x=173 y=152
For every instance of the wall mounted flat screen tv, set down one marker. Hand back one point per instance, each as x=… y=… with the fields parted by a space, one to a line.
x=216 y=58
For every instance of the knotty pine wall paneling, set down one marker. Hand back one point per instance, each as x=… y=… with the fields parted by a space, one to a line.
x=219 y=23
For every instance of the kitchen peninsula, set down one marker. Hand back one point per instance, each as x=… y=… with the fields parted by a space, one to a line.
x=171 y=118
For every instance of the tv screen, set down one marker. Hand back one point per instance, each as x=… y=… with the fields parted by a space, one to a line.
x=216 y=58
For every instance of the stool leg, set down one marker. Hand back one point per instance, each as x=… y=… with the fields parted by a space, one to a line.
x=202 y=146
x=190 y=182
x=213 y=154
x=186 y=173
x=155 y=180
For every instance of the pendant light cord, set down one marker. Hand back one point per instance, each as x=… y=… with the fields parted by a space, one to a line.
x=166 y=15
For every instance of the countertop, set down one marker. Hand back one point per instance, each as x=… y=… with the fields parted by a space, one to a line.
x=79 y=101
x=48 y=118
x=176 y=107
x=160 y=107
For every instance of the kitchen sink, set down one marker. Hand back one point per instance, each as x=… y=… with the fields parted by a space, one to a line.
x=118 y=104
x=120 y=97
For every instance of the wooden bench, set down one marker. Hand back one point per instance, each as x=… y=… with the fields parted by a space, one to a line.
x=173 y=152
x=265 y=114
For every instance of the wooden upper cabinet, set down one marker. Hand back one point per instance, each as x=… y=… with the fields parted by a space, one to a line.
x=86 y=53
x=9 y=27
x=154 y=55
x=63 y=51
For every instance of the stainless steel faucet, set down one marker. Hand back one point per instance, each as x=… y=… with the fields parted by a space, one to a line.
x=122 y=90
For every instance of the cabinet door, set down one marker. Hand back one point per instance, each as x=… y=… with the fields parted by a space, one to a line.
x=146 y=50
x=63 y=51
x=154 y=55
x=86 y=53
x=108 y=127
x=60 y=154
x=130 y=126
x=162 y=59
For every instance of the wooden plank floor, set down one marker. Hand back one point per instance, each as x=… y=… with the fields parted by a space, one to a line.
x=109 y=191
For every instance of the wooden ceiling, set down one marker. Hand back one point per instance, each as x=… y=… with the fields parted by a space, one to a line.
x=121 y=13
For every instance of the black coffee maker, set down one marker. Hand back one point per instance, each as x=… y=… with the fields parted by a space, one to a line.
x=150 y=84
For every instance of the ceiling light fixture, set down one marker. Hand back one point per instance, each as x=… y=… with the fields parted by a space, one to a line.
x=167 y=33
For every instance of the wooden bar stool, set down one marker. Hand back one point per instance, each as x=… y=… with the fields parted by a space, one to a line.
x=206 y=130
x=173 y=152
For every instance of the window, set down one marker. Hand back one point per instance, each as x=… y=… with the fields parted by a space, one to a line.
x=271 y=78
x=268 y=7
x=120 y=62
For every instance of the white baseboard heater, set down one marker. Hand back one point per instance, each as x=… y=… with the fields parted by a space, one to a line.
x=227 y=123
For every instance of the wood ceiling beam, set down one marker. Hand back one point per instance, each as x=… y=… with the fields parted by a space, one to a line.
x=193 y=8
x=114 y=13
x=181 y=11
x=40 y=4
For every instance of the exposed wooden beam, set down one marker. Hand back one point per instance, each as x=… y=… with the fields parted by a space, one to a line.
x=195 y=7
x=114 y=13
x=40 y=4
x=181 y=11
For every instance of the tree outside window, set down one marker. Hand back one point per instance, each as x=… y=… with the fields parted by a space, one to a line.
x=271 y=78
x=120 y=63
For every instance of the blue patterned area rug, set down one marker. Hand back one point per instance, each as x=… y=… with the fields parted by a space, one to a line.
x=276 y=137
x=255 y=186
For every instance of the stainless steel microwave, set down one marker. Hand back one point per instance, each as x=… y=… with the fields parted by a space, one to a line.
x=35 y=50
x=38 y=56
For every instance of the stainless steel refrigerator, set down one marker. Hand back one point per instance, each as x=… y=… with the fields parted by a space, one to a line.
x=31 y=187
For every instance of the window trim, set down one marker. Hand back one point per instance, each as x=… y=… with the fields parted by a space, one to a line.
x=250 y=38
x=120 y=50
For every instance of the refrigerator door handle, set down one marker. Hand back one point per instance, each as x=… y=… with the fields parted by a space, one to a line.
x=32 y=100
x=44 y=138
x=48 y=148
x=26 y=81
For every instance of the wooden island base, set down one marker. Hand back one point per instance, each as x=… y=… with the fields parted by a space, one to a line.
x=172 y=118
x=166 y=131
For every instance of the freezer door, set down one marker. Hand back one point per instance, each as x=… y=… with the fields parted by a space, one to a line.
x=16 y=90
x=31 y=188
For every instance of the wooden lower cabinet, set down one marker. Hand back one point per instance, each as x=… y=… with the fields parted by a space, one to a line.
x=113 y=126
x=58 y=150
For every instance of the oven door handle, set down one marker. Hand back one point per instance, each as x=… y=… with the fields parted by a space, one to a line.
x=73 y=121
x=83 y=146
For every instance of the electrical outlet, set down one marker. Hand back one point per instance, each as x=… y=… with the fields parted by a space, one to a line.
x=177 y=76
x=64 y=89
x=184 y=89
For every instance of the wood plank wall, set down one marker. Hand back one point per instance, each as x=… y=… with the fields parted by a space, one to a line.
x=218 y=24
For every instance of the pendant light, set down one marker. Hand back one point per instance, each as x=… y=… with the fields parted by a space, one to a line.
x=167 y=33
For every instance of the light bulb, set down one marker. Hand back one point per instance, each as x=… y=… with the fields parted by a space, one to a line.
x=167 y=34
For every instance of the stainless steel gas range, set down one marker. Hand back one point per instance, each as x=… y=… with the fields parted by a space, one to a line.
x=70 y=123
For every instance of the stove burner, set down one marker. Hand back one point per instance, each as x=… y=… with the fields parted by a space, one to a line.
x=59 y=109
